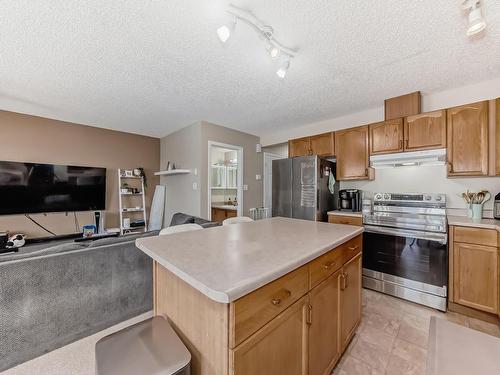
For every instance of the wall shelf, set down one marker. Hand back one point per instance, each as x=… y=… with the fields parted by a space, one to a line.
x=173 y=172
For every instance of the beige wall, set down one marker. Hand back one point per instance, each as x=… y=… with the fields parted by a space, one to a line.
x=252 y=163
x=56 y=142
x=184 y=149
x=188 y=148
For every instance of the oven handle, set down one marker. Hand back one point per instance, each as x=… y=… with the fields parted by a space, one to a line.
x=442 y=238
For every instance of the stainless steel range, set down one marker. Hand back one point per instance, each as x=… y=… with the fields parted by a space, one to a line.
x=405 y=247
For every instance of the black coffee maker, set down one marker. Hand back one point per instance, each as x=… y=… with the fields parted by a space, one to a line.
x=4 y=237
x=350 y=200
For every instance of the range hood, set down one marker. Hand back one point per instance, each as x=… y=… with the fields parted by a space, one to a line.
x=403 y=159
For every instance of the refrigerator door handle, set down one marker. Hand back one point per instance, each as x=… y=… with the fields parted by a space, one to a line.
x=317 y=199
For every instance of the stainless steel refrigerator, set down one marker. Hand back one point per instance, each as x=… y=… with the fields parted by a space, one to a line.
x=301 y=188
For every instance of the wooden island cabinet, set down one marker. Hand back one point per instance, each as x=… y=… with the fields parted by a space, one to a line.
x=298 y=324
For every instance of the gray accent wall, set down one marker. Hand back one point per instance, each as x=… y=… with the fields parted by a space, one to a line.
x=188 y=148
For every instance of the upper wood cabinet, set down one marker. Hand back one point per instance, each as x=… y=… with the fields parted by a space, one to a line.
x=425 y=131
x=497 y=137
x=350 y=299
x=467 y=128
x=386 y=137
x=299 y=147
x=321 y=145
x=352 y=151
x=324 y=348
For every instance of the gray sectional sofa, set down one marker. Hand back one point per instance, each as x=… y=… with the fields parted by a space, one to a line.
x=54 y=293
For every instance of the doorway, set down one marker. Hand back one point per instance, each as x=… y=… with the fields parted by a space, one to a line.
x=268 y=178
x=225 y=181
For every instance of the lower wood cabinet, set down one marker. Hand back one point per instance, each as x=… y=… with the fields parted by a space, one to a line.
x=307 y=334
x=474 y=269
x=324 y=345
x=350 y=299
x=476 y=276
x=220 y=214
x=280 y=347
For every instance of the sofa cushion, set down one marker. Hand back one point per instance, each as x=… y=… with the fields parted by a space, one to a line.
x=179 y=218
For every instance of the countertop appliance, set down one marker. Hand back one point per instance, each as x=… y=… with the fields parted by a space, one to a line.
x=301 y=188
x=496 y=207
x=405 y=247
x=350 y=200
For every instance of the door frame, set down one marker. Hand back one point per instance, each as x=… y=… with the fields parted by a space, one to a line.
x=268 y=156
x=239 y=196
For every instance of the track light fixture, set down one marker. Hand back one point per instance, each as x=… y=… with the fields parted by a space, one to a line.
x=476 y=21
x=275 y=49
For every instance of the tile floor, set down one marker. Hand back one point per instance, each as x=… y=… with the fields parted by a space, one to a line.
x=392 y=337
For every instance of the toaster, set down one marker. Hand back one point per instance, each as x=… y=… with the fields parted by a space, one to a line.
x=496 y=207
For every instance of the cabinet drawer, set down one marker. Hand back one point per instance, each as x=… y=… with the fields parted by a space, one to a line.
x=477 y=236
x=341 y=219
x=327 y=264
x=251 y=312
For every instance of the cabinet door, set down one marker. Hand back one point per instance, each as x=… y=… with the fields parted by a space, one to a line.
x=497 y=138
x=350 y=299
x=280 y=347
x=323 y=144
x=475 y=276
x=468 y=140
x=351 y=147
x=386 y=137
x=425 y=131
x=324 y=346
x=299 y=147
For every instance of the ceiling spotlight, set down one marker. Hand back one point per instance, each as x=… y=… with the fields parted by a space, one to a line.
x=283 y=69
x=265 y=33
x=476 y=21
x=273 y=51
x=224 y=32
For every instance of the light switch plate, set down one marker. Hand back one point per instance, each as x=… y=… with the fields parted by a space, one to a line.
x=258 y=177
x=195 y=186
x=245 y=187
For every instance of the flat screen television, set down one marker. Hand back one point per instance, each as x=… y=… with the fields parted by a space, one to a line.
x=35 y=188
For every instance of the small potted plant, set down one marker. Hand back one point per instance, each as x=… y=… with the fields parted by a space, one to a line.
x=140 y=173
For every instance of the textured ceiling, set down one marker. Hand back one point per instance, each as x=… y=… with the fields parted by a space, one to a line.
x=152 y=67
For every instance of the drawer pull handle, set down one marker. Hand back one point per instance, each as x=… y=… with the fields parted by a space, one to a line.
x=329 y=265
x=344 y=222
x=353 y=247
x=277 y=301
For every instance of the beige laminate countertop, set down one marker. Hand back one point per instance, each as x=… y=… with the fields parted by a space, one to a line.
x=464 y=221
x=227 y=262
x=346 y=213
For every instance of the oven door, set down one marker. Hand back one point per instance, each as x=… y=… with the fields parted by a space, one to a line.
x=419 y=257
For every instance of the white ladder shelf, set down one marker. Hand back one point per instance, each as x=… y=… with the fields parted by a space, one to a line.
x=126 y=200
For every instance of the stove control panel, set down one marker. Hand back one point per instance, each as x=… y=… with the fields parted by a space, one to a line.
x=410 y=197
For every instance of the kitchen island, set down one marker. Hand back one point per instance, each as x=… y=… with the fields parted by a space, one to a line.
x=275 y=296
